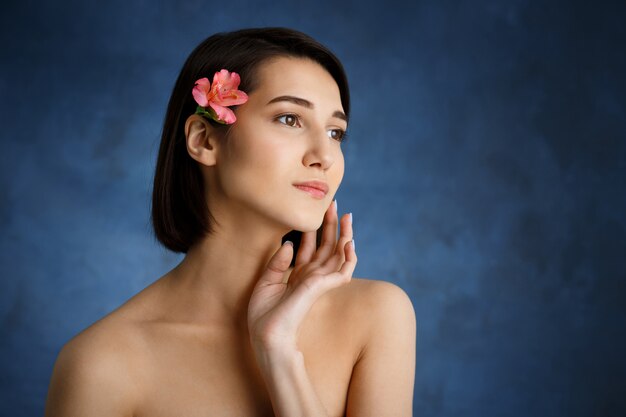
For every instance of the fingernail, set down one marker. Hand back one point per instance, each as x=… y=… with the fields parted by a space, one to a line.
x=350 y=218
x=336 y=206
x=353 y=245
x=288 y=242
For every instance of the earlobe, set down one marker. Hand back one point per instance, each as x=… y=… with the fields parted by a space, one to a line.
x=201 y=140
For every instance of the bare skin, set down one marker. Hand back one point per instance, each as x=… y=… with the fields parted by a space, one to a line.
x=203 y=340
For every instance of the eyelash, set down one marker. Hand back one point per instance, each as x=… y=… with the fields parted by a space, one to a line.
x=344 y=134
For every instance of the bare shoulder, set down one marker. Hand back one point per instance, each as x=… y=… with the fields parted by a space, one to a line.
x=116 y=337
x=375 y=307
x=390 y=310
x=383 y=375
x=111 y=337
x=94 y=371
x=381 y=299
x=378 y=287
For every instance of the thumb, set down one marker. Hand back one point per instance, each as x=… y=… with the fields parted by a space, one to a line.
x=278 y=265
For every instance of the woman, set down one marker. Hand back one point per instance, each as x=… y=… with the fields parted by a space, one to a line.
x=245 y=326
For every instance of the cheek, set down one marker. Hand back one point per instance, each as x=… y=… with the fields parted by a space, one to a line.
x=259 y=152
x=254 y=163
x=339 y=169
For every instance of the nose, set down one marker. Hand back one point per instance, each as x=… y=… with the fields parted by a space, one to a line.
x=319 y=150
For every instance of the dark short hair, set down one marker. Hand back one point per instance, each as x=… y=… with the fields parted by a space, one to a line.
x=179 y=212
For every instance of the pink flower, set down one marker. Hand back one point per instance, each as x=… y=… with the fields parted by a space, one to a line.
x=222 y=93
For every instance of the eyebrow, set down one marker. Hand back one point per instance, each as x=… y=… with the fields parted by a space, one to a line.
x=305 y=103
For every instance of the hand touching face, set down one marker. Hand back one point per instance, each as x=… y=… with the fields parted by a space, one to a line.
x=276 y=309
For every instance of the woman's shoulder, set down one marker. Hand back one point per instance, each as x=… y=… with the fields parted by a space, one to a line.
x=373 y=304
x=118 y=331
x=373 y=294
x=112 y=332
x=112 y=343
x=93 y=367
x=367 y=312
x=385 y=344
x=112 y=346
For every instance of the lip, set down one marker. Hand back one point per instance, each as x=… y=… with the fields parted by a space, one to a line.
x=316 y=189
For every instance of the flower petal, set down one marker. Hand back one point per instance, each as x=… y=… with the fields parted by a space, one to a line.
x=200 y=91
x=223 y=113
x=232 y=98
x=226 y=80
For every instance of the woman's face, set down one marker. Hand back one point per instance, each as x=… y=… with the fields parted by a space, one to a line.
x=288 y=132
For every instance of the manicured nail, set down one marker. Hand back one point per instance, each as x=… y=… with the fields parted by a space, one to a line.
x=336 y=206
x=288 y=242
x=350 y=218
x=353 y=245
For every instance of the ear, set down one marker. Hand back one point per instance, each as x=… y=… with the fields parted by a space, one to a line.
x=201 y=140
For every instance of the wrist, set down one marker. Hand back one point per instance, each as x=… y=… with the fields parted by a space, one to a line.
x=275 y=358
x=276 y=348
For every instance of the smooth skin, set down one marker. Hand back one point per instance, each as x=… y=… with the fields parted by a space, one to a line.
x=232 y=330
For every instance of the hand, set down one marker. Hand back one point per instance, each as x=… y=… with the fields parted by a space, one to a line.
x=277 y=309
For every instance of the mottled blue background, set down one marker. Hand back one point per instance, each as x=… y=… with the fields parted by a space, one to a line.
x=486 y=170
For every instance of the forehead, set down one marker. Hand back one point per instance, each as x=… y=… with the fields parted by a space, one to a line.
x=299 y=77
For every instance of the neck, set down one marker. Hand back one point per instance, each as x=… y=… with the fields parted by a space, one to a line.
x=213 y=283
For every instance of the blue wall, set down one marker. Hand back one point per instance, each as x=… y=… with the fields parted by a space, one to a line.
x=486 y=169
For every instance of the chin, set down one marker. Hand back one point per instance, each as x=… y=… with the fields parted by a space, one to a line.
x=307 y=222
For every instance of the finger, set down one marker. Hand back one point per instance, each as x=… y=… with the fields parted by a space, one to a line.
x=347 y=268
x=329 y=234
x=277 y=266
x=346 y=233
x=306 y=248
x=310 y=289
x=333 y=263
x=313 y=287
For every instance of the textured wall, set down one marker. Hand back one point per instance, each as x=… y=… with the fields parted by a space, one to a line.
x=486 y=170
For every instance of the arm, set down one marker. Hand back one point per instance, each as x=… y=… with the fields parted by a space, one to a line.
x=383 y=377
x=89 y=382
x=288 y=384
x=277 y=309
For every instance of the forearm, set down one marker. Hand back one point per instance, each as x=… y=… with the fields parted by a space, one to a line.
x=289 y=385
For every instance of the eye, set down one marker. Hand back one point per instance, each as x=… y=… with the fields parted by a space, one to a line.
x=290 y=120
x=337 y=134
